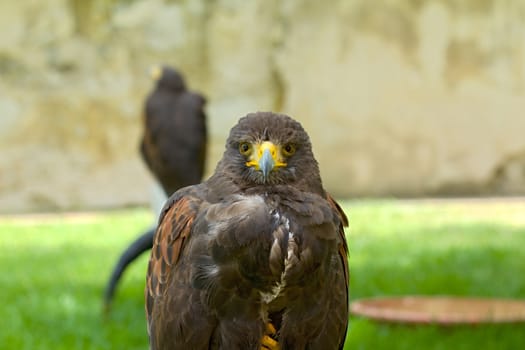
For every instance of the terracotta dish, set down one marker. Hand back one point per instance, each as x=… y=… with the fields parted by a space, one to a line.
x=442 y=310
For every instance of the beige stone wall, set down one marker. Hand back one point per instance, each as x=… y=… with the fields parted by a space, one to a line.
x=400 y=97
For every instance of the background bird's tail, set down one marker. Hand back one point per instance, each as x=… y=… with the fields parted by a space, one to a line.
x=139 y=246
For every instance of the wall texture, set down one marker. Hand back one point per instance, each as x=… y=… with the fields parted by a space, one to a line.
x=400 y=97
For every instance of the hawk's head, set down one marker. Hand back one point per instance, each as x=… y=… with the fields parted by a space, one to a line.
x=267 y=148
x=168 y=78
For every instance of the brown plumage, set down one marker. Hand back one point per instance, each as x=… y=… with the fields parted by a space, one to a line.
x=257 y=245
x=174 y=141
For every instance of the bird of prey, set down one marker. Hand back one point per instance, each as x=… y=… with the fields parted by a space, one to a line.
x=173 y=147
x=255 y=257
x=174 y=142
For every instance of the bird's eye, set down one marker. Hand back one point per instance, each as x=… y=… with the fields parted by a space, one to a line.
x=245 y=148
x=288 y=149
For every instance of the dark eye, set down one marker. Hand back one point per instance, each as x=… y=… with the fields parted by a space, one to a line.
x=288 y=149
x=245 y=148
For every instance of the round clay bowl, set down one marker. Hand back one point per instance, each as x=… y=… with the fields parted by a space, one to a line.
x=440 y=310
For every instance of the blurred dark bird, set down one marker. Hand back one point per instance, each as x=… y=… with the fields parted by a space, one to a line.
x=174 y=142
x=173 y=147
x=255 y=257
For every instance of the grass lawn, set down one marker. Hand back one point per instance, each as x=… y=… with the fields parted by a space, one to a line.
x=54 y=268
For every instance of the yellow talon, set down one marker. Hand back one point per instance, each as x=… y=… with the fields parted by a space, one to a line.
x=268 y=343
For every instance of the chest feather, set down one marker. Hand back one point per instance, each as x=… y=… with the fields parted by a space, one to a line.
x=283 y=256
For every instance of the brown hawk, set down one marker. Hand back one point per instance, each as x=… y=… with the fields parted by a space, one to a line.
x=174 y=142
x=255 y=257
x=173 y=146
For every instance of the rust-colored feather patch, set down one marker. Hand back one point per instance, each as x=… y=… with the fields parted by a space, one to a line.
x=173 y=230
x=343 y=248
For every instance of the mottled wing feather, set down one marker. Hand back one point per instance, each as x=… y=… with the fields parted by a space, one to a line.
x=343 y=248
x=174 y=228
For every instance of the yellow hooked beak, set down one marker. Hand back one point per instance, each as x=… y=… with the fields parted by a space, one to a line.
x=155 y=72
x=265 y=157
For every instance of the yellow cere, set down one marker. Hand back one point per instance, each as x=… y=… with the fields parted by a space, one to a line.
x=156 y=72
x=258 y=151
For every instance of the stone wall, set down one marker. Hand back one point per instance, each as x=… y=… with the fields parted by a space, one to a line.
x=413 y=97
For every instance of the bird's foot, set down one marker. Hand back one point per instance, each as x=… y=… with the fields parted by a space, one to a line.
x=267 y=341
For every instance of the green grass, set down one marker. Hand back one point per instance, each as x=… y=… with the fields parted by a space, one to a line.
x=54 y=268
x=436 y=248
x=53 y=276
